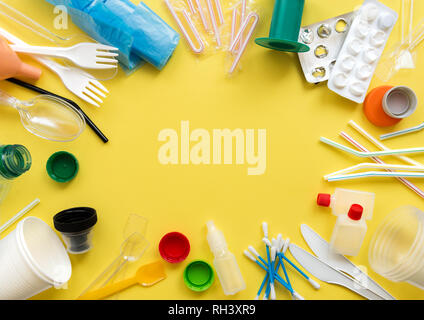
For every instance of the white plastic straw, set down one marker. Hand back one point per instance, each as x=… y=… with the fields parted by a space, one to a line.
x=378 y=144
x=405 y=182
x=370 y=154
x=384 y=166
x=402 y=132
x=202 y=15
x=255 y=18
x=19 y=215
x=402 y=9
x=375 y=174
x=214 y=23
x=411 y=20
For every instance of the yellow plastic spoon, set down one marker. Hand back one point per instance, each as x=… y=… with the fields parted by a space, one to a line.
x=146 y=275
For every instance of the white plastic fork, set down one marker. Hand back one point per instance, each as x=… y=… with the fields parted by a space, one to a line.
x=75 y=80
x=85 y=55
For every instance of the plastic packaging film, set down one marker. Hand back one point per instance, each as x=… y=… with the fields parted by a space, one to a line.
x=211 y=26
x=137 y=31
x=402 y=55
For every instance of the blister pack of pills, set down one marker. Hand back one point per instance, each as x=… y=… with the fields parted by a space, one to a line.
x=325 y=39
x=361 y=51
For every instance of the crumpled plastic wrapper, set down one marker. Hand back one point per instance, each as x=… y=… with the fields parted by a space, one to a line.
x=139 y=33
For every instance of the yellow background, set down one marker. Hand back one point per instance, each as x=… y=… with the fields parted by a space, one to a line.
x=124 y=176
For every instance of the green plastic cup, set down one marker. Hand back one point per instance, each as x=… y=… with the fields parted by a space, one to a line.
x=198 y=276
x=62 y=166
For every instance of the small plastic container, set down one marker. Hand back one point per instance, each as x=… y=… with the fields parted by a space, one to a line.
x=62 y=166
x=76 y=227
x=174 y=247
x=198 y=276
x=396 y=251
x=349 y=232
x=225 y=262
x=342 y=199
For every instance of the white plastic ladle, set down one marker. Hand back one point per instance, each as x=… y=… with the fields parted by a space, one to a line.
x=47 y=117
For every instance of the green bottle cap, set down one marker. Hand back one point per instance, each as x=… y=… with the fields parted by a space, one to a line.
x=62 y=166
x=285 y=27
x=198 y=276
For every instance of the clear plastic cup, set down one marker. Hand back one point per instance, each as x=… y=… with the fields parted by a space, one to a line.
x=397 y=248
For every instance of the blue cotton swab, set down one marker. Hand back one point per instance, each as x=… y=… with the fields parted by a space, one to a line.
x=268 y=286
x=271 y=266
x=311 y=281
x=276 y=249
x=263 y=266
x=262 y=287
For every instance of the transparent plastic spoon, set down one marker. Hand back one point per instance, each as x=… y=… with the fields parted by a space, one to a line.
x=47 y=117
x=131 y=250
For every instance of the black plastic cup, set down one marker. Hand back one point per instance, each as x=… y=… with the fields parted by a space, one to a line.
x=75 y=226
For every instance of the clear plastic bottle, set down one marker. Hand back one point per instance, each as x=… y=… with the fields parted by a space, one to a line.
x=14 y=161
x=349 y=232
x=342 y=199
x=225 y=262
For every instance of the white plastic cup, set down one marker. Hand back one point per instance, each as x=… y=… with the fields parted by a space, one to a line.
x=32 y=260
x=396 y=251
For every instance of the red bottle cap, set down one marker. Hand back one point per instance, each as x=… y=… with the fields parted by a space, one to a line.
x=355 y=212
x=174 y=247
x=324 y=199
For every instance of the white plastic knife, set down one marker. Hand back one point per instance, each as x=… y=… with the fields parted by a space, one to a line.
x=322 y=250
x=326 y=273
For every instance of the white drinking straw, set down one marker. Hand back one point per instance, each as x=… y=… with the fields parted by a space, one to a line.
x=379 y=145
x=370 y=154
x=384 y=166
x=402 y=132
x=19 y=215
x=404 y=181
x=376 y=174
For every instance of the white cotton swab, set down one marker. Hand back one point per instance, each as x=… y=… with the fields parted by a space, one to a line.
x=19 y=215
x=265 y=229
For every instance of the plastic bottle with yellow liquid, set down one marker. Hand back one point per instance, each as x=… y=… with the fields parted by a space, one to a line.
x=225 y=262
x=349 y=232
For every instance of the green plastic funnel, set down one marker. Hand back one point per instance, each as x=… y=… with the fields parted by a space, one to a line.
x=285 y=27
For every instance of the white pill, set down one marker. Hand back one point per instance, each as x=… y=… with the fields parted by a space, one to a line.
x=378 y=38
x=362 y=30
x=371 y=56
x=357 y=89
x=340 y=80
x=347 y=64
x=364 y=72
x=386 y=21
x=355 y=47
x=370 y=12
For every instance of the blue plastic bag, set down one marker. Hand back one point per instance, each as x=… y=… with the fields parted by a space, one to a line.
x=138 y=32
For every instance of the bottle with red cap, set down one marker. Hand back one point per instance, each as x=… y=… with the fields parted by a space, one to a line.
x=349 y=232
x=342 y=199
